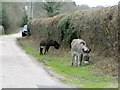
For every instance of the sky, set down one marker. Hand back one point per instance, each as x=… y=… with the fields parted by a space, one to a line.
x=94 y=3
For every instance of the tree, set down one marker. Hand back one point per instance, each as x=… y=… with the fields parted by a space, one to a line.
x=5 y=23
x=52 y=8
x=24 y=20
x=0 y=13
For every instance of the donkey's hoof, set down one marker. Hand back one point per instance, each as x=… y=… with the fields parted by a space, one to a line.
x=79 y=64
x=72 y=64
x=76 y=65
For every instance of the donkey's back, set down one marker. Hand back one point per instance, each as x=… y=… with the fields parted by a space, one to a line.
x=76 y=45
x=46 y=43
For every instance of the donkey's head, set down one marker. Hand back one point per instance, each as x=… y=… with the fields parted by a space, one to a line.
x=56 y=45
x=86 y=56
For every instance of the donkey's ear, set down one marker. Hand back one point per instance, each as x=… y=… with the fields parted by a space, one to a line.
x=89 y=51
x=83 y=50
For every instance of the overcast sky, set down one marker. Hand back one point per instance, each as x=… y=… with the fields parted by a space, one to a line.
x=94 y=3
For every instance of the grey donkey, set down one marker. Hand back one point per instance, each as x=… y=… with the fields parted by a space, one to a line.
x=79 y=52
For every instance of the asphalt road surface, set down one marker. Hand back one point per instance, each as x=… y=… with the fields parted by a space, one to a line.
x=20 y=70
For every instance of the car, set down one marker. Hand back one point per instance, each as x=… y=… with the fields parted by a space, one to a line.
x=24 y=31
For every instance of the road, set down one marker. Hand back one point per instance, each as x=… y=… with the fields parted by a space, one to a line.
x=20 y=70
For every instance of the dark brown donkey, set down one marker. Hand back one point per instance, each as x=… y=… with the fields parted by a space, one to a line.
x=45 y=45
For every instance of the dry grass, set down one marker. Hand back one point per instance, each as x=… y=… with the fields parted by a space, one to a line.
x=106 y=65
x=98 y=27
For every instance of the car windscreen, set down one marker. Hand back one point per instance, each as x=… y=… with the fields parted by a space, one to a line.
x=25 y=27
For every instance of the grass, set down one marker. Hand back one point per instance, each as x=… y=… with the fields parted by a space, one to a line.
x=84 y=76
x=8 y=34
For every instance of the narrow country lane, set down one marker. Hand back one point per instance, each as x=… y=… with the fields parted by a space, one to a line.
x=20 y=70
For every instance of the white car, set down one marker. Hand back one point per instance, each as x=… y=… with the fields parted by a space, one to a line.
x=24 y=31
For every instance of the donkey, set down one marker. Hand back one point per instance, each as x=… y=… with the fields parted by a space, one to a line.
x=79 y=52
x=45 y=45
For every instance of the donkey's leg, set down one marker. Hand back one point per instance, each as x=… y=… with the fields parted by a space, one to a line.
x=73 y=59
x=47 y=48
x=78 y=63
x=76 y=60
x=44 y=50
x=41 y=49
x=81 y=57
x=79 y=60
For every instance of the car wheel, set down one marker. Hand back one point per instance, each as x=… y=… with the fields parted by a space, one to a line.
x=23 y=34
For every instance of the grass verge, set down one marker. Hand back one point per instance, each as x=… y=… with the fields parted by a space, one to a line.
x=84 y=76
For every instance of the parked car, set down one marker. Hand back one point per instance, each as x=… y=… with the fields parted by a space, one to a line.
x=24 y=31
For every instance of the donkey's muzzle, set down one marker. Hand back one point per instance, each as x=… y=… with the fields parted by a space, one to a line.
x=86 y=59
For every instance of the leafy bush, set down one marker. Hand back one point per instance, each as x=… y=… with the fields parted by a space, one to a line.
x=67 y=30
x=98 y=27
